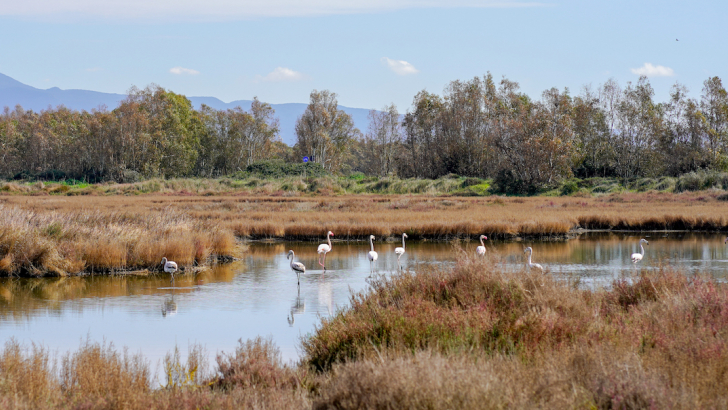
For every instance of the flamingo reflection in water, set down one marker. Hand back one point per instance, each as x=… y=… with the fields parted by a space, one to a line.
x=169 y=306
x=297 y=308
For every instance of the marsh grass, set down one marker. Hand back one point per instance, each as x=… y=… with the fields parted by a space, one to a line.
x=61 y=242
x=97 y=376
x=500 y=338
x=473 y=336
x=60 y=235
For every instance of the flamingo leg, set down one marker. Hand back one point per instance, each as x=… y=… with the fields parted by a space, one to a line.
x=324 y=265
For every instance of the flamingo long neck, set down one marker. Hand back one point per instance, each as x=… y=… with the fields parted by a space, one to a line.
x=529 y=258
x=291 y=255
x=371 y=242
x=643 y=249
x=328 y=238
x=481 y=241
x=402 y=241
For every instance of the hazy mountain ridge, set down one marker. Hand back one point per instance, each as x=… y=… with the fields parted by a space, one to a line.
x=13 y=92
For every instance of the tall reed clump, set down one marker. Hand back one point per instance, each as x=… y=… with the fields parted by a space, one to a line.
x=654 y=341
x=60 y=243
x=97 y=376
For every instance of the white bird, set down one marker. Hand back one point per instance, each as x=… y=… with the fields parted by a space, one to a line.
x=296 y=266
x=325 y=248
x=530 y=265
x=372 y=256
x=636 y=257
x=480 y=250
x=169 y=266
x=400 y=251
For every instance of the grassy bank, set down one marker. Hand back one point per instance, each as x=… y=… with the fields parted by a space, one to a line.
x=40 y=242
x=60 y=235
x=274 y=182
x=472 y=336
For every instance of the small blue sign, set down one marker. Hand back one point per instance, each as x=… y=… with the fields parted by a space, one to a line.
x=305 y=159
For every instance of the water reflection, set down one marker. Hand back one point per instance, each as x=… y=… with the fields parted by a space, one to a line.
x=297 y=308
x=250 y=298
x=169 y=307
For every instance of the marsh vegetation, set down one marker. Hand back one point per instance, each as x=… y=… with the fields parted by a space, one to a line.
x=59 y=235
x=474 y=335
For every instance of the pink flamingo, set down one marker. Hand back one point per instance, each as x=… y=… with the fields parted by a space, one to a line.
x=325 y=248
x=480 y=250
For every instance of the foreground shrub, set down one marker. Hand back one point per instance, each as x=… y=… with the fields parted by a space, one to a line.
x=656 y=340
x=255 y=363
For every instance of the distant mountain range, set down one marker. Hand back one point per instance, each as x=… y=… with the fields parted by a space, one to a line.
x=13 y=92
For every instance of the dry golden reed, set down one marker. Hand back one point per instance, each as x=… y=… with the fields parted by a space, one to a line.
x=66 y=234
x=61 y=241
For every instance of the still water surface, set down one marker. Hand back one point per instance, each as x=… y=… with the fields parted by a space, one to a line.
x=258 y=296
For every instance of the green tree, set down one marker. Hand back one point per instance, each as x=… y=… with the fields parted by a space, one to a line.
x=325 y=132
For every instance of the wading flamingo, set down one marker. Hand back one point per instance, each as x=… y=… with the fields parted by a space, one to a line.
x=296 y=266
x=480 y=250
x=325 y=248
x=636 y=257
x=530 y=265
x=169 y=266
x=400 y=251
x=372 y=256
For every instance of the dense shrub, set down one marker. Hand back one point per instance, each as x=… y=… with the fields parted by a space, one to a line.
x=280 y=169
x=695 y=181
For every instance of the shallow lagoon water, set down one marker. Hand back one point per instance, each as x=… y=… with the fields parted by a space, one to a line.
x=258 y=295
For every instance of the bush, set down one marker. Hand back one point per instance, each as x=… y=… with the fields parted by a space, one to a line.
x=696 y=181
x=280 y=169
x=570 y=187
x=508 y=182
x=471 y=181
x=255 y=363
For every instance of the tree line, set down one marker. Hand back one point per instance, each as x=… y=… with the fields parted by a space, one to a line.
x=479 y=128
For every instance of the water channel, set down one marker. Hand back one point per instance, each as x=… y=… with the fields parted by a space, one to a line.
x=258 y=295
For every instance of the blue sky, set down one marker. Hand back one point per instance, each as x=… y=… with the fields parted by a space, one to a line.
x=280 y=50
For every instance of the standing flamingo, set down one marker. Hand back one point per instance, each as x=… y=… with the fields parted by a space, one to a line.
x=296 y=266
x=636 y=257
x=169 y=267
x=325 y=248
x=480 y=250
x=400 y=251
x=530 y=265
x=372 y=256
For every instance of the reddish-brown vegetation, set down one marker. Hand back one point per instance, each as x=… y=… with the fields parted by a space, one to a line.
x=473 y=336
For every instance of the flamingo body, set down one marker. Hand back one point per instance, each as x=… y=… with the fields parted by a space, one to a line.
x=400 y=251
x=372 y=256
x=531 y=265
x=325 y=248
x=296 y=267
x=480 y=250
x=169 y=266
x=636 y=257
